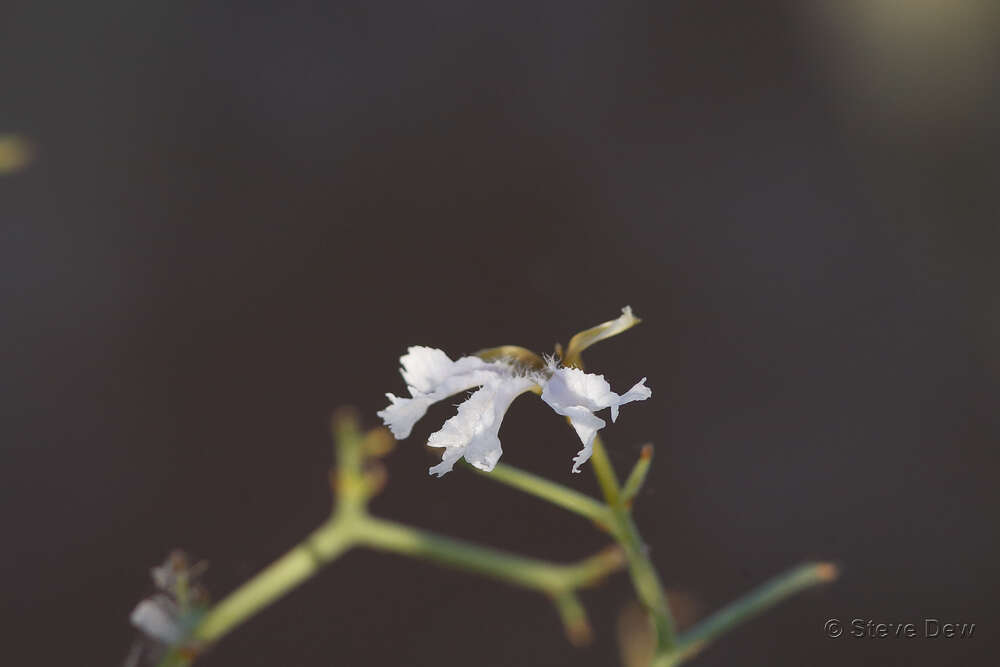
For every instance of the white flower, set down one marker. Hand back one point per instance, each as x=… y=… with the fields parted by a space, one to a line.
x=578 y=395
x=474 y=431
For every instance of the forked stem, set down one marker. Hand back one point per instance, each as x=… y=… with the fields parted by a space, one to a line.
x=351 y=526
x=644 y=576
x=550 y=578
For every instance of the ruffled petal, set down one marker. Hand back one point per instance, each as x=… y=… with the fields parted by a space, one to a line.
x=403 y=413
x=424 y=368
x=430 y=377
x=448 y=460
x=474 y=431
x=571 y=386
x=586 y=424
x=639 y=392
x=428 y=370
x=577 y=395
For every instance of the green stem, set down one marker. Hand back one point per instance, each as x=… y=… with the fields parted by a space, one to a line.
x=647 y=582
x=605 y=473
x=557 y=494
x=351 y=525
x=644 y=577
x=322 y=546
x=518 y=570
x=345 y=530
x=752 y=604
x=638 y=476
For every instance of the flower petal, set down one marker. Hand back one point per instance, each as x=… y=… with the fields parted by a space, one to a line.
x=577 y=395
x=474 y=431
x=430 y=377
x=448 y=460
x=586 y=424
x=428 y=370
x=639 y=392
x=571 y=386
x=403 y=413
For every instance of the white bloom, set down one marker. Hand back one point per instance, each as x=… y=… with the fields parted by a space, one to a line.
x=474 y=431
x=578 y=395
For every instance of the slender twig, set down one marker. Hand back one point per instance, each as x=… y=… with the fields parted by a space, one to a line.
x=644 y=576
x=753 y=603
x=638 y=476
x=514 y=569
x=607 y=479
x=557 y=494
x=324 y=545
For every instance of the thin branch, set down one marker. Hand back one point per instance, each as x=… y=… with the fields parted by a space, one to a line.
x=557 y=494
x=324 y=545
x=753 y=603
x=514 y=569
x=559 y=582
x=644 y=576
x=638 y=476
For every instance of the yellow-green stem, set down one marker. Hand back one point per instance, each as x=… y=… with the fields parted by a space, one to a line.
x=322 y=546
x=605 y=473
x=635 y=480
x=557 y=494
x=644 y=577
x=511 y=568
x=750 y=605
x=347 y=529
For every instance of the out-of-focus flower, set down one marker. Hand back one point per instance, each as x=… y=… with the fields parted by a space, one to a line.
x=166 y=617
x=501 y=375
x=158 y=616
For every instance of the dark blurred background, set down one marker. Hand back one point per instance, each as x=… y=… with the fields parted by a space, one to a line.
x=220 y=222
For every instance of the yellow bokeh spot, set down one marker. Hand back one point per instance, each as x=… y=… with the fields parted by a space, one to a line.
x=15 y=153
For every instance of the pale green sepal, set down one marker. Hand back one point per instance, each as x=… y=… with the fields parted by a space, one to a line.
x=585 y=339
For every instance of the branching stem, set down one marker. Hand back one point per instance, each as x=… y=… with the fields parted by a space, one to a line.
x=644 y=576
x=351 y=526
x=540 y=575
